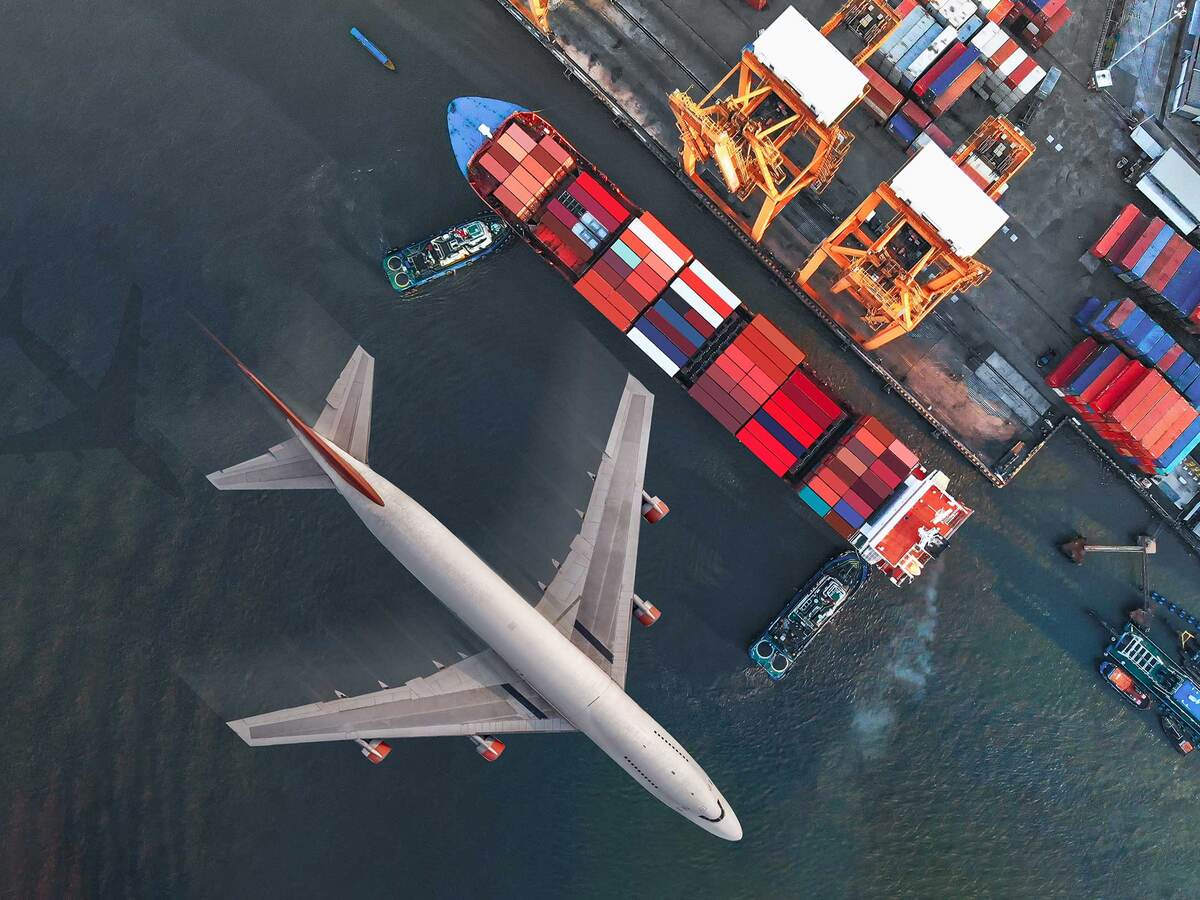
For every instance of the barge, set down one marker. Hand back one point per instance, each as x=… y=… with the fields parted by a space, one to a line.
x=811 y=608
x=749 y=376
x=1159 y=677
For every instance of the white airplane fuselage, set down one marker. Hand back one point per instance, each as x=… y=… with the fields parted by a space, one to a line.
x=579 y=689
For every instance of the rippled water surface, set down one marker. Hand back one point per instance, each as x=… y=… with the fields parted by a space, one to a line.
x=249 y=162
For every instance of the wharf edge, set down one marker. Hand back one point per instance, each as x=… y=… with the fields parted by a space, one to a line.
x=765 y=257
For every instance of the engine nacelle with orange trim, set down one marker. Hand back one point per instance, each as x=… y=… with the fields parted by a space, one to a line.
x=487 y=746
x=645 y=612
x=375 y=751
x=653 y=508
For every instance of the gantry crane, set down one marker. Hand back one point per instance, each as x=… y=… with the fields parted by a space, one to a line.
x=536 y=11
x=872 y=21
x=994 y=154
x=942 y=210
x=789 y=83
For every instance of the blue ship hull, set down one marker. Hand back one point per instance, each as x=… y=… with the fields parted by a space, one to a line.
x=464 y=118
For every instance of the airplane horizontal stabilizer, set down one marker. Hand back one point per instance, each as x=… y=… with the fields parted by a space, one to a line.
x=286 y=466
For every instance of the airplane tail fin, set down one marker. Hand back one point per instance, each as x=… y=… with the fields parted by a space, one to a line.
x=345 y=422
x=12 y=305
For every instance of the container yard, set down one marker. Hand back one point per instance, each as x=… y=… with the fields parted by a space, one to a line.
x=903 y=193
x=736 y=364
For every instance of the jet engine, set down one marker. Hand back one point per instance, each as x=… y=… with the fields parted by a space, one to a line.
x=487 y=746
x=645 y=612
x=375 y=751
x=653 y=508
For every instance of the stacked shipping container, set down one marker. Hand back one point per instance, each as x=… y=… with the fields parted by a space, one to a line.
x=634 y=271
x=1132 y=407
x=858 y=476
x=1128 y=326
x=525 y=169
x=739 y=366
x=1011 y=72
x=1150 y=256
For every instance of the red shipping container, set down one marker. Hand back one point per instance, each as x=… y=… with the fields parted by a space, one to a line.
x=767 y=328
x=1061 y=374
x=996 y=60
x=998 y=12
x=881 y=471
x=823 y=490
x=601 y=194
x=1126 y=219
x=700 y=394
x=1120 y=388
x=766 y=448
x=850 y=461
x=1138 y=248
x=1169 y=423
x=511 y=147
x=663 y=234
x=780 y=404
x=1164 y=407
x=832 y=480
x=840 y=526
x=521 y=136
x=906 y=456
x=1104 y=379
x=882 y=98
x=1164 y=267
x=707 y=294
x=856 y=447
x=1129 y=411
x=858 y=504
x=881 y=432
x=493 y=167
x=1169 y=358
x=935 y=71
x=555 y=149
x=869 y=441
x=815 y=394
x=917 y=116
x=1020 y=73
x=1163 y=443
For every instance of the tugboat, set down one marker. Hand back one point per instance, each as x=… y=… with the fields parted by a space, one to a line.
x=418 y=264
x=1175 y=734
x=1122 y=682
x=810 y=609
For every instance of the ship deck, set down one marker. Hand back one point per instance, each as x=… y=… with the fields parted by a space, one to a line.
x=957 y=368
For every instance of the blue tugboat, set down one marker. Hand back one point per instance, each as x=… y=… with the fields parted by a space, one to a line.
x=811 y=608
x=417 y=264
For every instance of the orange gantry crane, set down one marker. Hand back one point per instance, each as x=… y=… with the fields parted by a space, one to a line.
x=790 y=82
x=942 y=211
x=536 y=11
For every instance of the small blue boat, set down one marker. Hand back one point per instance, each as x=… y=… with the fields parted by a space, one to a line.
x=417 y=264
x=372 y=49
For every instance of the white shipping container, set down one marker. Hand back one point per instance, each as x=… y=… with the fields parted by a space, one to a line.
x=660 y=359
x=1032 y=80
x=696 y=302
x=994 y=42
x=1007 y=67
x=715 y=283
x=906 y=25
x=926 y=59
x=953 y=12
x=910 y=38
x=651 y=240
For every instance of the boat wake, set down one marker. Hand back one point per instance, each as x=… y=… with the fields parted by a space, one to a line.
x=911 y=651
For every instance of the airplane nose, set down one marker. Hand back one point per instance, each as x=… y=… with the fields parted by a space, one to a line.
x=730 y=829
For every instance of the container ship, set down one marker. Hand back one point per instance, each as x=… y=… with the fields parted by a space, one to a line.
x=862 y=481
x=418 y=264
x=811 y=608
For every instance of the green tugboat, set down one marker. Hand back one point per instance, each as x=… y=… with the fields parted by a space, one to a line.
x=810 y=610
x=418 y=264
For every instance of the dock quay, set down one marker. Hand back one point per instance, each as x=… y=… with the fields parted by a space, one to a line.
x=969 y=368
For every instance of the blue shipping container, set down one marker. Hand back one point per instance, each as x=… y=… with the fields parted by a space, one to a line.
x=659 y=340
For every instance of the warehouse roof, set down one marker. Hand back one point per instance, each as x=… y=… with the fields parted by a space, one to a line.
x=948 y=200
x=800 y=55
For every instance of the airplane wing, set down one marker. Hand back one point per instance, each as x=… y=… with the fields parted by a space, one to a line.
x=591 y=597
x=346 y=418
x=478 y=695
x=286 y=466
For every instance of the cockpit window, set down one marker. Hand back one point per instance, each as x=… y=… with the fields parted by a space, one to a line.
x=720 y=806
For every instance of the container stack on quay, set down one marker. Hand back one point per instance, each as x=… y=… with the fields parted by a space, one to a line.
x=1160 y=265
x=1128 y=326
x=737 y=365
x=934 y=56
x=1011 y=73
x=1133 y=407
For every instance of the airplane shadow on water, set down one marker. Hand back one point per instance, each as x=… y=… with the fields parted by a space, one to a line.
x=105 y=416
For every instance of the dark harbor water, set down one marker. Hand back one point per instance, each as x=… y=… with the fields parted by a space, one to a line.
x=249 y=162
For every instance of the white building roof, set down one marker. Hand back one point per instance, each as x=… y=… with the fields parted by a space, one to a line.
x=948 y=200
x=1174 y=186
x=801 y=56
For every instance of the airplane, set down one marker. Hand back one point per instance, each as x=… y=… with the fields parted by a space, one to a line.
x=555 y=667
x=104 y=416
